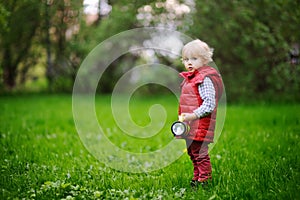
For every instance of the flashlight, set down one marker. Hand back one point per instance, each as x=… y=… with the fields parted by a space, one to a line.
x=180 y=128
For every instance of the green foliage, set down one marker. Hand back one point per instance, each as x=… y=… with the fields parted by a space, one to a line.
x=4 y=14
x=22 y=19
x=251 y=40
x=42 y=156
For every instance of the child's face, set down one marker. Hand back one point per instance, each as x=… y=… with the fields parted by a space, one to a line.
x=192 y=63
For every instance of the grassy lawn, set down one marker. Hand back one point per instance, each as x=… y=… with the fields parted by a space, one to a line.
x=42 y=156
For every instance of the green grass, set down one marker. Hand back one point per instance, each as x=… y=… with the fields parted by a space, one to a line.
x=42 y=157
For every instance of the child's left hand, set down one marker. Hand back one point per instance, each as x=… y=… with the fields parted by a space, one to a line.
x=188 y=117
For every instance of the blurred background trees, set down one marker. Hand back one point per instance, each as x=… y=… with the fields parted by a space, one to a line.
x=18 y=29
x=256 y=43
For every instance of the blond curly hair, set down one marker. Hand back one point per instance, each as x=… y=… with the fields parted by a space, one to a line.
x=197 y=49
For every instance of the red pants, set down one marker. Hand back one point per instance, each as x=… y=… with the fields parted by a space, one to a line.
x=198 y=152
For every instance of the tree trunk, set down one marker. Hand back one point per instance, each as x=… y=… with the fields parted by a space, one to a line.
x=10 y=72
x=49 y=68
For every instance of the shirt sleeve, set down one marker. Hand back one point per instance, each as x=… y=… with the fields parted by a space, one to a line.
x=207 y=93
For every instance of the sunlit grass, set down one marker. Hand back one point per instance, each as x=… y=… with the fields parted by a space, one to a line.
x=42 y=157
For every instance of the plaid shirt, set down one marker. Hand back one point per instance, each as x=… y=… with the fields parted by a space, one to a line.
x=207 y=93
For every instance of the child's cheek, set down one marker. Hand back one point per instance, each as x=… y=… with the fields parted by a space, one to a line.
x=199 y=63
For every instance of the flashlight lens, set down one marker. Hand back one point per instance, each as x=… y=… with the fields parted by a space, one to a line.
x=178 y=128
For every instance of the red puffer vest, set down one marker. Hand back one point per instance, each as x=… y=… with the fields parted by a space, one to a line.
x=201 y=129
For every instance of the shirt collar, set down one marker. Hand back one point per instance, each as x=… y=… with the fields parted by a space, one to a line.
x=189 y=75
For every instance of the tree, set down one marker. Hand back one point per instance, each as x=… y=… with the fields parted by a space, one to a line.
x=21 y=22
x=62 y=21
x=251 y=41
x=121 y=18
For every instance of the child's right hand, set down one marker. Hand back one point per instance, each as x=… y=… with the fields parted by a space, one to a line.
x=187 y=117
x=181 y=118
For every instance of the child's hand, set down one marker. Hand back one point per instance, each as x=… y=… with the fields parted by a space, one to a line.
x=187 y=117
